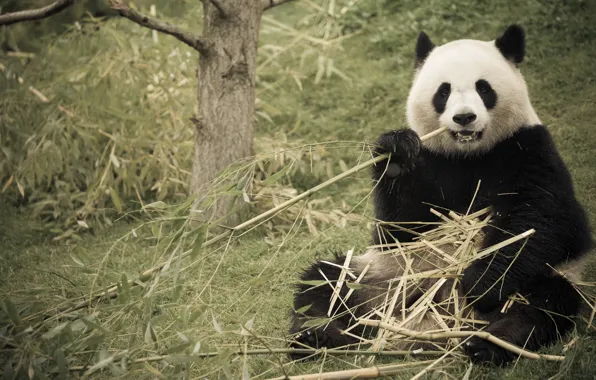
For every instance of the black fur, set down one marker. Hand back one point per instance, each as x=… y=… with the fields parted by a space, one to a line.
x=486 y=93
x=441 y=96
x=527 y=325
x=512 y=44
x=528 y=186
x=318 y=298
x=423 y=48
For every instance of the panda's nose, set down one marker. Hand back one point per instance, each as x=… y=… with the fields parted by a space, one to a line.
x=464 y=118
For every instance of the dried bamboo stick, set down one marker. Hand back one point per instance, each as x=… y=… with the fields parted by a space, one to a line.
x=280 y=351
x=361 y=373
x=461 y=334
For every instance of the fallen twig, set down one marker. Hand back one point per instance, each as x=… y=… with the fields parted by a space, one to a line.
x=361 y=373
x=280 y=351
x=461 y=334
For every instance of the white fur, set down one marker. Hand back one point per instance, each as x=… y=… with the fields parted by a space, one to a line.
x=461 y=63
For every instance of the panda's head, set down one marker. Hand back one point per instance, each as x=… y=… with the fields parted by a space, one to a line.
x=472 y=87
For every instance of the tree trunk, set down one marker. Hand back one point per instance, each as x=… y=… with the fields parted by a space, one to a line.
x=226 y=91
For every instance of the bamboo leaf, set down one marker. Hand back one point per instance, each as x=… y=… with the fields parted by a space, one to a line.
x=216 y=325
x=245 y=330
x=116 y=200
x=7 y=184
x=55 y=331
x=155 y=230
x=124 y=284
x=153 y=370
x=61 y=361
x=315 y=322
x=353 y=285
x=77 y=260
x=274 y=178
x=303 y=309
x=150 y=335
x=21 y=191
x=88 y=321
x=103 y=363
x=197 y=313
x=12 y=312
x=199 y=240
x=179 y=348
x=159 y=205
x=114 y=161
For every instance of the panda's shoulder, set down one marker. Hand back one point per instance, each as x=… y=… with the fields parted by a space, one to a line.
x=532 y=149
x=529 y=139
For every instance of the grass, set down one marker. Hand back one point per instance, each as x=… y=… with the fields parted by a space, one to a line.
x=209 y=298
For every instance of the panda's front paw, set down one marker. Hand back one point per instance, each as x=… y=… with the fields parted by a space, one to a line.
x=482 y=351
x=404 y=147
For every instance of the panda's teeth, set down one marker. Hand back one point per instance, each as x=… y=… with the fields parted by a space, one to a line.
x=466 y=137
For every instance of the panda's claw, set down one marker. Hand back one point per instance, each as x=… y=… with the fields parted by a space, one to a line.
x=308 y=338
x=482 y=351
x=404 y=146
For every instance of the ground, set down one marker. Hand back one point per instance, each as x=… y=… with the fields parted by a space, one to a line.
x=207 y=298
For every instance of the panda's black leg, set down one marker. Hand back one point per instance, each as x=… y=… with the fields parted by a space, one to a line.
x=553 y=302
x=312 y=301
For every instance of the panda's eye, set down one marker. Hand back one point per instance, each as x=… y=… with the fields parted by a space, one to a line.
x=483 y=86
x=445 y=89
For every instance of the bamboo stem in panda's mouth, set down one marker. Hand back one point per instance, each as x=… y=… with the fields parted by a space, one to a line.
x=433 y=134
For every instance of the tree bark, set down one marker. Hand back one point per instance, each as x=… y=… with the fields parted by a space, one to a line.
x=226 y=91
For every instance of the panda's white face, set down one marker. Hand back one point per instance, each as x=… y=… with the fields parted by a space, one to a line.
x=474 y=88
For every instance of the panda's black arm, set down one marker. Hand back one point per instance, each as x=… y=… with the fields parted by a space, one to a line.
x=403 y=186
x=545 y=201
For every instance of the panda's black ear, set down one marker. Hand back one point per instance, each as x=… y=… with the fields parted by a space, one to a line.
x=423 y=48
x=512 y=44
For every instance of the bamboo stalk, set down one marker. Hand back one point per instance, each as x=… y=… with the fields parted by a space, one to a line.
x=281 y=351
x=461 y=334
x=361 y=373
x=325 y=184
x=112 y=291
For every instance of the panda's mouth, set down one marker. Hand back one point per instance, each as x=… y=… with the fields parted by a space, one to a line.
x=466 y=137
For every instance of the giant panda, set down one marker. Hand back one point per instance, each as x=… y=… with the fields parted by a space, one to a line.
x=494 y=136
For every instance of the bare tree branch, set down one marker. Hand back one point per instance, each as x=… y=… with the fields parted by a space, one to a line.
x=35 y=14
x=272 y=3
x=220 y=8
x=192 y=40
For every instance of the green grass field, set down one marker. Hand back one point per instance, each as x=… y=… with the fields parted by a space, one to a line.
x=201 y=303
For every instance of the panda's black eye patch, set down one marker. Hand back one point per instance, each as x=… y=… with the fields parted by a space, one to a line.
x=441 y=96
x=486 y=93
